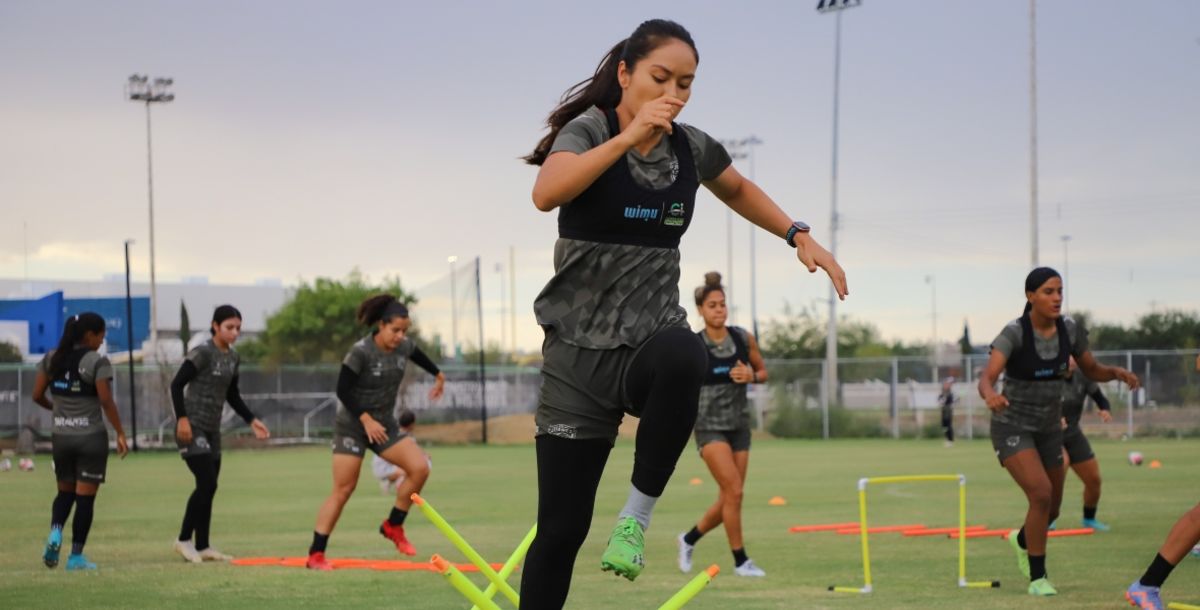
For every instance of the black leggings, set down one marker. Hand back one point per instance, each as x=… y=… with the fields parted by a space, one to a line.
x=663 y=383
x=198 y=516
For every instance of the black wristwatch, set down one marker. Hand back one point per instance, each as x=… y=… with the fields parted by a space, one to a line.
x=797 y=227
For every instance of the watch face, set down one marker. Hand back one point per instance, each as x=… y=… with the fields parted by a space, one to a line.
x=801 y=226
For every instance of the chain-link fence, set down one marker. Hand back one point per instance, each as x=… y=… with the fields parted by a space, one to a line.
x=898 y=397
x=874 y=397
x=296 y=402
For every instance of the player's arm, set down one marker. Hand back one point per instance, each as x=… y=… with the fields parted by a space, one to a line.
x=40 y=384
x=987 y=381
x=104 y=392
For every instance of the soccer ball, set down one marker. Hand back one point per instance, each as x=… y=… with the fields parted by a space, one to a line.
x=1135 y=458
x=26 y=465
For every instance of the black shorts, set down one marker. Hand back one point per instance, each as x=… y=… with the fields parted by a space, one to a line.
x=1008 y=440
x=350 y=438
x=1077 y=445
x=738 y=440
x=80 y=457
x=204 y=442
x=583 y=393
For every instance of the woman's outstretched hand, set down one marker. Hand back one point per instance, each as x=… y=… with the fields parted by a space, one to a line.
x=813 y=255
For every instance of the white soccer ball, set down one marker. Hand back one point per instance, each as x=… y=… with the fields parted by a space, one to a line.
x=26 y=464
x=1135 y=458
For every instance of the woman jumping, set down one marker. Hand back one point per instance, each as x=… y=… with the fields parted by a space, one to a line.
x=623 y=176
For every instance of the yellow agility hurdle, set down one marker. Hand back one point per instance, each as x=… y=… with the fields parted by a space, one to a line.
x=962 y=528
x=498 y=580
x=1179 y=606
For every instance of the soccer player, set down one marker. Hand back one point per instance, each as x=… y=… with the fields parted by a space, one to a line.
x=723 y=423
x=1078 y=450
x=1144 y=592
x=623 y=176
x=367 y=387
x=80 y=380
x=209 y=374
x=1032 y=352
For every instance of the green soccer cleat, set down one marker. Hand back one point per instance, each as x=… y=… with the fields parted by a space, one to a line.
x=1042 y=588
x=1022 y=554
x=625 y=552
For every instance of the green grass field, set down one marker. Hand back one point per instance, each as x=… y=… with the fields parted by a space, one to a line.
x=268 y=500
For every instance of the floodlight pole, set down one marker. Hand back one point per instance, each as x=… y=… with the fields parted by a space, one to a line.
x=831 y=350
x=140 y=89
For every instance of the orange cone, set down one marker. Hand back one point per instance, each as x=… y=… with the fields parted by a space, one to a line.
x=695 y=481
x=1155 y=464
x=777 y=501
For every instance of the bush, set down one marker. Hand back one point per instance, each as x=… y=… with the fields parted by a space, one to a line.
x=793 y=420
x=9 y=352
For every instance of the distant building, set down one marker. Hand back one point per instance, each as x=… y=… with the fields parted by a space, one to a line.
x=32 y=312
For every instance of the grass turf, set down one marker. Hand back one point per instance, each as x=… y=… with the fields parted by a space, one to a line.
x=268 y=500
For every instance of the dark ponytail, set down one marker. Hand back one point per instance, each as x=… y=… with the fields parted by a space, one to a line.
x=73 y=331
x=380 y=308
x=602 y=89
x=712 y=283
x=221 y=314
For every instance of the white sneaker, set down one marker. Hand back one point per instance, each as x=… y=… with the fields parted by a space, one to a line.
x=749 y=569
x=211 y=554
x=685 y=555
x=187 y=551
x=948 y=443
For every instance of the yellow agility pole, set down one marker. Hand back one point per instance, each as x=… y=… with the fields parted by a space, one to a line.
x=460 y=582
x=690 y=590
x=962 y=527
x=1179 y=606
x=461 y=544
x=511 y=564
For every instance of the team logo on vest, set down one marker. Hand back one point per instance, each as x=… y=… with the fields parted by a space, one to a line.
x=675 y=215
x=71 y=422
x=640 y=213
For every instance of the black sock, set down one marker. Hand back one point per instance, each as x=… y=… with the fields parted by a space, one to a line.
x=397 y=517
x=1021 y=537
x=1157 y=573
x=1089 y=512
x=61 y=509
x=318 y=543
x=84 y=510
x=693 y=536
x=739 y=556
x=1037 y=567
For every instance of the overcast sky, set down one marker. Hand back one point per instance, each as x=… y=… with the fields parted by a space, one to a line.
x=310 y=138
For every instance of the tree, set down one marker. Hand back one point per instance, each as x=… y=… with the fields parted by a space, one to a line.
x=185 y=330
x=9 y=353
x=964 y=343
x=317 y=324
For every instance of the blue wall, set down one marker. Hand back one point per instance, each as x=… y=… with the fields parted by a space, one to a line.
x=113 y=311
x=46 y=316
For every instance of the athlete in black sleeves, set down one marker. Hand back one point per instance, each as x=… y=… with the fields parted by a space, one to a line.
x=1076 y=448
x=80 y=380
x=367 y=388
x=623 y=176
x=210 y=375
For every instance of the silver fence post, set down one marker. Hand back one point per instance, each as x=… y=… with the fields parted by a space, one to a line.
x=825 y=391
x=893 y=403
x=970 y=372
x=20 y=397
x=1132 y=396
